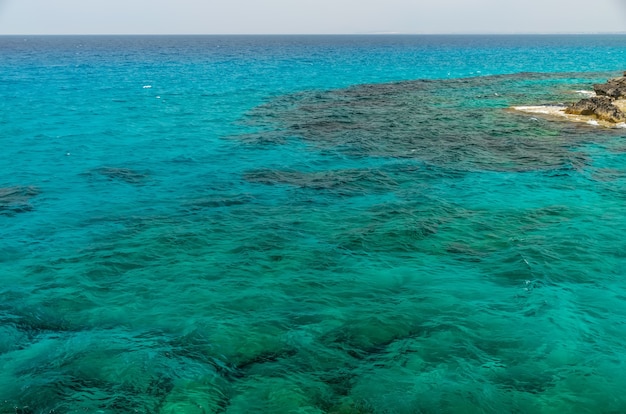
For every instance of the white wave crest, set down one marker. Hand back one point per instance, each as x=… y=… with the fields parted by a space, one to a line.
x=586 y=93
x=542 y=109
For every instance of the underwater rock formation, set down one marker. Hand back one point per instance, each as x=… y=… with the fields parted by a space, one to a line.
x=16 y=199
x=450 y=123
x=122 y=174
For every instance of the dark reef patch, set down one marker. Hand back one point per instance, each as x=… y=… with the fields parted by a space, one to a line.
x=217 y=201
x=16 y=199
x=126 y=175
x=460 y=122
x=346 y=182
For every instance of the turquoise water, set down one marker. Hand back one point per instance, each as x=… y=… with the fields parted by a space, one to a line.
x=309 y=224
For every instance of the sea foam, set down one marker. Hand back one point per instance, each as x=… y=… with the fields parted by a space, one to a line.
x=554 y=110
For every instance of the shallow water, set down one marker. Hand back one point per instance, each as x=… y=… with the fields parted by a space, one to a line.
x=309 y=224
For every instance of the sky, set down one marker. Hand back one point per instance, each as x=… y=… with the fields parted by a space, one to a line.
x=310 y=16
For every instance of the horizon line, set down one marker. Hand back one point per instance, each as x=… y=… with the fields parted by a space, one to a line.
x=376 y=33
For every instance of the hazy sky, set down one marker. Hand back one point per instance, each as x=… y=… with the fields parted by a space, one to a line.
x=310 y=16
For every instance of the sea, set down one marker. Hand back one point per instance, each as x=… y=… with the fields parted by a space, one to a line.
x=309 y=224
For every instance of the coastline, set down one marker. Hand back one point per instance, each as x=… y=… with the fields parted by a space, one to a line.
x=558 y=112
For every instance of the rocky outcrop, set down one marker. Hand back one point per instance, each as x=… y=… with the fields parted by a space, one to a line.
x=613 y=88
x=599 y=106
x=603 y=105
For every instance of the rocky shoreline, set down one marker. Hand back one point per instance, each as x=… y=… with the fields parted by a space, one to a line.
x=604 y=105
x=607 y=106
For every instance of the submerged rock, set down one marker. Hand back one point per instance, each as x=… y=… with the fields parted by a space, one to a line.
x=440 y=123
x=122 y=174
x=220 y=201
x=346 y=181
x=601 y=107
x=16 y=199
x=613 y=88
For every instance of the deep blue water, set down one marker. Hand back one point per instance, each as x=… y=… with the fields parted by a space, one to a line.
x=311 y=224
